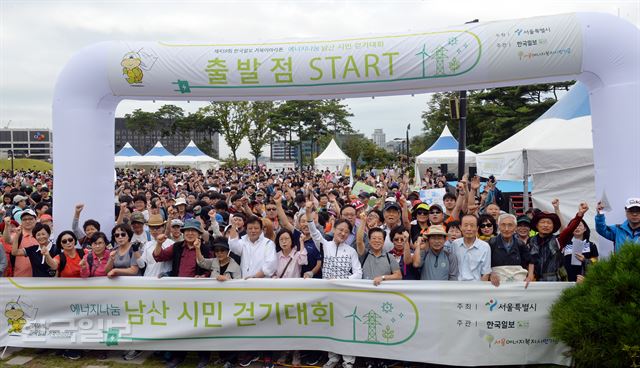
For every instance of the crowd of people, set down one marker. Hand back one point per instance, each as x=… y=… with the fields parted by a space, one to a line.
x=254 y=223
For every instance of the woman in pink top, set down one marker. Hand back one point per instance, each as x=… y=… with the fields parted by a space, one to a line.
x=290 y=262
x=95 y=261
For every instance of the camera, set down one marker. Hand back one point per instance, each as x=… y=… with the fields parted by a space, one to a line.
x=136 y=246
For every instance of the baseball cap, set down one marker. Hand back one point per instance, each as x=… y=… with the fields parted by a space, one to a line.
x=27 y=211
x=46 y=217
x=137 y=217
x=632 y=202
x=524 y=219
x=177 y=222
x=19 y=198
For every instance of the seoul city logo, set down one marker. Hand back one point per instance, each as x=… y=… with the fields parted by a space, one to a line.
x=491 y=304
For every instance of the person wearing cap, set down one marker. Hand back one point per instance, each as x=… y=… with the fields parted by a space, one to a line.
x=546 y=248
x=222 y=266
x=181 y=206
x=151 y=267
x=523 y=229
x=421 y=223
x=393 y=213
x=20 y=204
x=184 y=263
x=182 y=254
x=138 y=224
x=174 y=230
x=436 y=215
x=22 y=266
x=628 y=231
x=430 y=256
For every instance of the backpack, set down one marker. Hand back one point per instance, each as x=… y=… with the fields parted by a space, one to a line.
x=367 y=255
x=63 y=260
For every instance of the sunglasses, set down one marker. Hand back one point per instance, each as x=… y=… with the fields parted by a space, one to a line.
x=120 y=235
x=482 y=226
x=67 y=240
x=435 y=212
x=271 y=209
x=422 y=213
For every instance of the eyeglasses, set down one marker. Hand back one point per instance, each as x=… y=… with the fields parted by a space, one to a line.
x=155 y=228
x=120 y=235
x=271 y=209
x=487 y=225
x=435 y=212
x=67 y=240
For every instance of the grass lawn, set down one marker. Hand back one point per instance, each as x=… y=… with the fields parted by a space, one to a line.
x=25 y=164
x=48 y=358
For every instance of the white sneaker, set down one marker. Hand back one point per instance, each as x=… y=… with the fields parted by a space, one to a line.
x=331 y=363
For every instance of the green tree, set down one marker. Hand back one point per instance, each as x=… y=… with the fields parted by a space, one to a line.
x=493 y=115
x=140 y=121
x=600 y=318
x=173 y=115
x=234 y=122
x=259 y=133
x=300 y=116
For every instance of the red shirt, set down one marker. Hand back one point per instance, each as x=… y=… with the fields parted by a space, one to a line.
x=188 y=264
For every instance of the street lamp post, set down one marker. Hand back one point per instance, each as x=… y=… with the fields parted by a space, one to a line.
x=10 y=152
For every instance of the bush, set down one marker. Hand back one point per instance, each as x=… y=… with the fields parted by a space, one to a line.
x=600 y=318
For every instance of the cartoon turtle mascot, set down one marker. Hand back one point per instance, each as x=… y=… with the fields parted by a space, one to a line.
x=131 y=62
x=15 y=317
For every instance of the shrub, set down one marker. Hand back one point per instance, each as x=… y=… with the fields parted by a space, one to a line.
x=600 y=318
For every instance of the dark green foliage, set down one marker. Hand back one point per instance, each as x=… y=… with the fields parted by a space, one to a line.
x=493 y=115
x=600 y=318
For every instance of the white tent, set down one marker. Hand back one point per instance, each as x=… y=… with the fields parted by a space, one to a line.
x=556 y=151
x=443 y=151
x=192 y=156
x=127 y=156
x=157 y=156
x=333 y=159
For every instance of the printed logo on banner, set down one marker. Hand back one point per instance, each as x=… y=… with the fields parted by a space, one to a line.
x=18 y=312
x=491 y=304
x=134 y=62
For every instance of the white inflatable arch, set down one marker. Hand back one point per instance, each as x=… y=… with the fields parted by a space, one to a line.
x=599 y=50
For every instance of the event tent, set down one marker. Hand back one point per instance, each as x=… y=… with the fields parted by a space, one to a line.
x=192 y=156
x=157 y=156
x=443 y=151
x=127 y=156
x=333 y=159
x=555 y=151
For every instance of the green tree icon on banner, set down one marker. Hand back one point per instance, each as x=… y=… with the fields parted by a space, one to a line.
x=388 y=333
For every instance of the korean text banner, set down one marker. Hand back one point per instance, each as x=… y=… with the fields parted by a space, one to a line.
x=398 y=63
x=453 y=323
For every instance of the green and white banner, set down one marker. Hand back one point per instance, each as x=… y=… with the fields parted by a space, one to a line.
x=396 y=63
x=452 y=323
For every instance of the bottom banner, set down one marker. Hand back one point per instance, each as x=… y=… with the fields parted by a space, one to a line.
x=455 y=323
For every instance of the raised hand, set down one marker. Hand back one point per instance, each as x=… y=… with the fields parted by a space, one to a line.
x=475 y=183
x=600 y=207
x=555 y=203
x=583 y=208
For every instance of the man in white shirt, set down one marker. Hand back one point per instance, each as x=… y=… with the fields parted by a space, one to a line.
x=258 y=253
x=152 y=268
x=474 y=255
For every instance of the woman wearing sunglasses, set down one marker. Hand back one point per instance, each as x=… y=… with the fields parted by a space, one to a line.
x=122 y=259
x=68 y=261
x=487 y=228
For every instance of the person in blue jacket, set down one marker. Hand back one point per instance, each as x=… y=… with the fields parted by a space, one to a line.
x=628 y=231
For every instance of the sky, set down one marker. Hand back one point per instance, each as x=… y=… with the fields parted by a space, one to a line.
x=37 y=38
